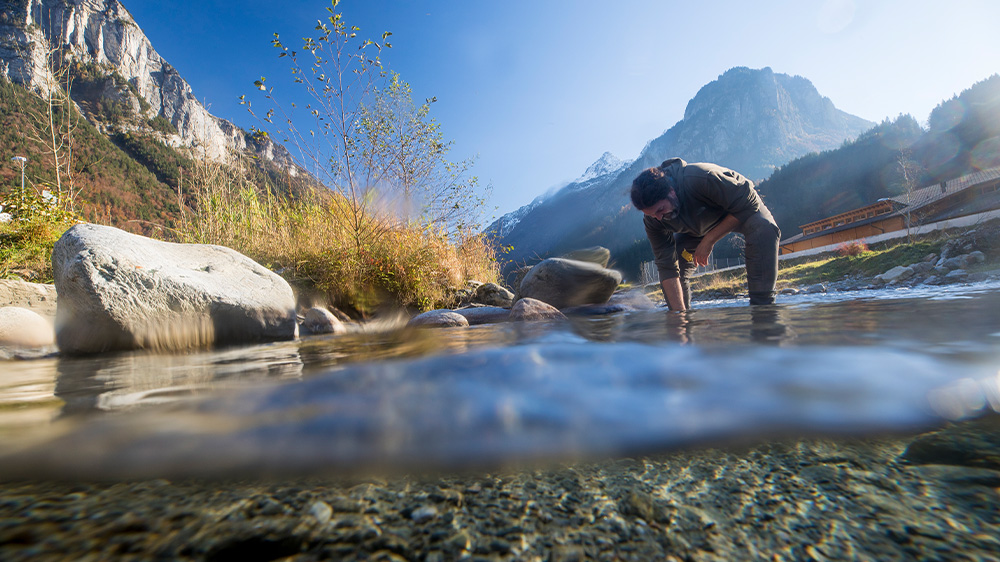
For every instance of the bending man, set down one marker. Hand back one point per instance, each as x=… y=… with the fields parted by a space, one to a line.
x=690 y=207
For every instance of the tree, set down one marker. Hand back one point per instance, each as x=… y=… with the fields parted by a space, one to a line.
x=909 y=173
x=53 y=128
x=368 y=141
x=405 y=146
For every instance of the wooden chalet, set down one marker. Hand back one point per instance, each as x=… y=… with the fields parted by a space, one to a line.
x=967 y=195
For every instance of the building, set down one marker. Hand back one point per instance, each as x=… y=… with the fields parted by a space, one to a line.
x=968 y=195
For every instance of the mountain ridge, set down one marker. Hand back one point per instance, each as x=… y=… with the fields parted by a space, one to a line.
x=127 y=71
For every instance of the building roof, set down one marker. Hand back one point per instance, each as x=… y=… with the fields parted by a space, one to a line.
x=927 y=195
x=922 y=197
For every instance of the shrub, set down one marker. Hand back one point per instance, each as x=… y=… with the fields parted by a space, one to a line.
x=852 y=248
x=360 y=259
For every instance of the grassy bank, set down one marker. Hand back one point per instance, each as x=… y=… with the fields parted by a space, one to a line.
x=354 y=257
x=856 y=261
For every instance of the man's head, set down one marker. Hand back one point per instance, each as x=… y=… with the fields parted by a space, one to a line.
x=653 y=195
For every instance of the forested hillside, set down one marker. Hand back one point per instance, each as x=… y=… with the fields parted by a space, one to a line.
x=963 y=136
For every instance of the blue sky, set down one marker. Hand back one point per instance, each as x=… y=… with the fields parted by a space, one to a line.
x=537 y=90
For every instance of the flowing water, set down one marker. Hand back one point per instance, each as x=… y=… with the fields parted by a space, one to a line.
x=636 y=384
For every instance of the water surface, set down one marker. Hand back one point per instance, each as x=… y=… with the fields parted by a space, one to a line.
x=853 y=363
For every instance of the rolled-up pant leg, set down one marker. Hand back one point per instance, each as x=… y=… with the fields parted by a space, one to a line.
x=687 y=268
x=762 y=236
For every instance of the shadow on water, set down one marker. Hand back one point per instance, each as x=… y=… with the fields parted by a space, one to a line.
x=867 y=362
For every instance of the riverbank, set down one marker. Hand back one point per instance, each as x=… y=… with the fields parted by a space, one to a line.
x=792 y=500
x=857 y=266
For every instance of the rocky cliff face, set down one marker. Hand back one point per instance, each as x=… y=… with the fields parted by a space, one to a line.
x=122 y=65
x=752 y=121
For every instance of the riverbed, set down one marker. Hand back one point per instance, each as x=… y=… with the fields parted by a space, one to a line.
x=725 y=433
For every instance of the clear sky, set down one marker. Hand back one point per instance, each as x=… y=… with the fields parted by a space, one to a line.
x=537 y=90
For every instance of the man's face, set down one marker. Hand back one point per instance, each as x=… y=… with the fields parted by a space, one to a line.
x=660 y=210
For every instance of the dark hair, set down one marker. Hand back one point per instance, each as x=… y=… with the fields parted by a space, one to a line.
x=650 y=187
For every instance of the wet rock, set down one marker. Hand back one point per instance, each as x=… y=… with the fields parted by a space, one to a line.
x=595 y=254
x=957 y=262
x=789 y=291
x=940 y=270
x=528 y=309
x=973 y=443
x=319 y=320
x=484 y=314
x=33 y=296
x=121 y=291
x=895 y=275
x=933 y=280
x=976 y=257
x=814 y=289
x=632 y=300
x=921 y=267
x=20 y=327
x=439 y=319
x=957 y=276
x=492 y=294
x=564 y=283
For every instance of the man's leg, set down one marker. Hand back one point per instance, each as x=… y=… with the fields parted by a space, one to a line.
x=687 y=268
x=762 y=237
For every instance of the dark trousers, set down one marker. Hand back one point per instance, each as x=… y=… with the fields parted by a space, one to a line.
x=761 y=236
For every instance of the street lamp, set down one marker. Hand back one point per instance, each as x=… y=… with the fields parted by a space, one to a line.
x=21 y=161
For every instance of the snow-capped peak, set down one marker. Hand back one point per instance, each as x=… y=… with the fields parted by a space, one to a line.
x=606 y=164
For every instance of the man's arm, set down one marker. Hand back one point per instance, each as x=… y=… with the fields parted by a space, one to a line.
x=673 y=293
x=728 y=224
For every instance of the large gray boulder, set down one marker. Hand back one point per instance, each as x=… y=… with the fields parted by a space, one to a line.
x=563 y=283
x=121 y=291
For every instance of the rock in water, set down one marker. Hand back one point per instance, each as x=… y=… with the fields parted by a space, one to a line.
x=319 y=320
x=492 y=294
x=20 y=327
x=121 y=291
x=440 y=319
x=529 y=310
x=564 y=283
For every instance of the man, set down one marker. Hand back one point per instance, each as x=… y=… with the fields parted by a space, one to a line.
x=690 y=207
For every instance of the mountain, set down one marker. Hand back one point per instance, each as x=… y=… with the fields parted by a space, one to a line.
x=136 y=128
x=114 y=65
x=602 y=169
x=750 y=120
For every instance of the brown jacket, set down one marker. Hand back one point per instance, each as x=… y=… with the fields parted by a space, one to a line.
x=706 y=193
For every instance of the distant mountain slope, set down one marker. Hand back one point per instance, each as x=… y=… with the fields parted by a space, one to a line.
x=963 y=137
x=750 y=120
x=130 y=96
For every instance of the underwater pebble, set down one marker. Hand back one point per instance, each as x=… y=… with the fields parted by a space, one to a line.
x=321 y=511
x=424 y=514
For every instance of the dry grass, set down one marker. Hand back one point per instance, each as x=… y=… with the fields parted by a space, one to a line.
x=360 y=259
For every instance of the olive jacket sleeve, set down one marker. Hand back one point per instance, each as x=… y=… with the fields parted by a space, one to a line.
x=664 y=248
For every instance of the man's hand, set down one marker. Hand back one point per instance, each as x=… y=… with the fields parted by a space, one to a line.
x=702 y=252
